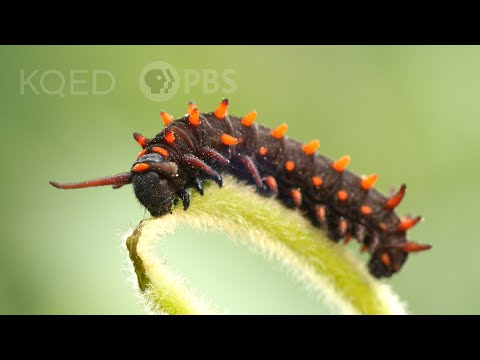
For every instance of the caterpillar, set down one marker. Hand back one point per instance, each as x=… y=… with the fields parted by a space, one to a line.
x=200 y=146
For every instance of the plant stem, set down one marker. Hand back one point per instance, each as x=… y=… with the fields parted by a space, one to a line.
x=324 y=267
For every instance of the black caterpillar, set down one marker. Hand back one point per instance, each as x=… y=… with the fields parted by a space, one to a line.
x=201 y=146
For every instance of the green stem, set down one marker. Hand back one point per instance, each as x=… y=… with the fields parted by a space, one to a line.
x=328 y=269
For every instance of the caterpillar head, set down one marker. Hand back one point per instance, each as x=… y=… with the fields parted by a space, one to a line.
x=150 y=177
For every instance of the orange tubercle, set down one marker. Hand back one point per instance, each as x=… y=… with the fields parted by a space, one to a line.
x=169 y=137
x=271 y=183
x=190 y=107
x=194 y=117
x=141 y=153
x=297 y=197
x=321 y=214
x=161 y=151
x=385 y=259
x=366 y=210
x=141 y=140
x=263 y=151
x=393 y=202
x=249 y=118
x=408 y=223
x=279 y=131
x=342 y=227
x=414 y=247
x=290 y=165
x=166 y=117
x=311 y=147
x=342 y=195
x=317 y=181
x=221 y=110
x=139 y=168
x=368 y=181
x=383 y=226
x=228 y=140
x=341 y=163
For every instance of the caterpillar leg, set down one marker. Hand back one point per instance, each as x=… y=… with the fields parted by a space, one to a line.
x=197 y=184
x=185 y=197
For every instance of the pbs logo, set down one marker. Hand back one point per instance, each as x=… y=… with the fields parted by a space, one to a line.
x=159 y=81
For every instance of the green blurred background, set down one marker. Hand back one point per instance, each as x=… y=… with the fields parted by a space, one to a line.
x=409 y=113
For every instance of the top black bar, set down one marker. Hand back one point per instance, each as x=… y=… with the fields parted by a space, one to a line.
x=283 y=31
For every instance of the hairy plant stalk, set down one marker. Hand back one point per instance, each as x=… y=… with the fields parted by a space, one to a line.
x=327 y=269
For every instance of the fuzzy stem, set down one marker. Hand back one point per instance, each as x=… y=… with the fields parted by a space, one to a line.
x=327 y=269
